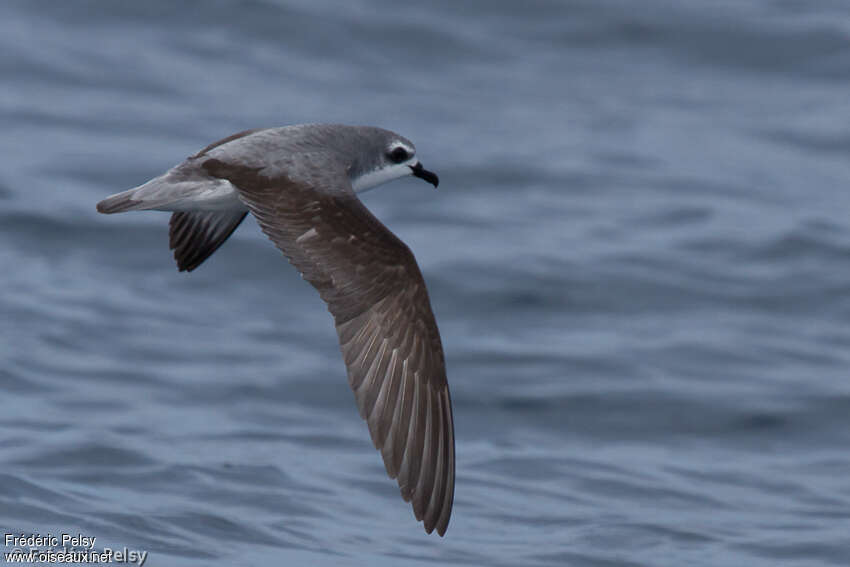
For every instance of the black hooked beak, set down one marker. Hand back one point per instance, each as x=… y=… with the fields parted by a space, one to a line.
x=422 y=173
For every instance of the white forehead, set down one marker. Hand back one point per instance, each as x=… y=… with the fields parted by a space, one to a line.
x=399 y=144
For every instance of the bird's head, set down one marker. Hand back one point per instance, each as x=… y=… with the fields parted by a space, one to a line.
x=385 y=156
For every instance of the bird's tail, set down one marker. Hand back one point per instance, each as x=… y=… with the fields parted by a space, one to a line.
x=155 y=194
x=120 y=202
x=205 y=210
x=174 y=192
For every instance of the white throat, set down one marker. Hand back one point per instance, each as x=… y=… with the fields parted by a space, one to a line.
x=380 y=176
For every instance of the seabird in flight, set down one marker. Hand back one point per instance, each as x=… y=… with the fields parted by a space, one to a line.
x=300 y=182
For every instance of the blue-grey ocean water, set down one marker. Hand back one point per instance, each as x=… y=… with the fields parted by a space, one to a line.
x=638 y=256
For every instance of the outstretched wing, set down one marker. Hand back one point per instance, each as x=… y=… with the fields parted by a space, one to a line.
x=387 y=332
x=195 y=235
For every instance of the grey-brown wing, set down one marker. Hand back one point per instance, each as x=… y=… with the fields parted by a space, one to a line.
x=387 y=331
x=195 y=235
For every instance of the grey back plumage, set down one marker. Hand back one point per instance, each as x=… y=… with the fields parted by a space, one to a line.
x=304 y=150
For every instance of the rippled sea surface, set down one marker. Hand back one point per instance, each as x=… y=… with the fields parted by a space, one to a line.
x=639 y=258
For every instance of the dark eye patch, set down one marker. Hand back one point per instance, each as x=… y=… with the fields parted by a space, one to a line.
x=399 y=155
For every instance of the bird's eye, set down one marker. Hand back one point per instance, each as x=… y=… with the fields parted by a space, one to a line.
x=399 y=155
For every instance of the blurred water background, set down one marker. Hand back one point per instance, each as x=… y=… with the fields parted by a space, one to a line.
x=639 y=258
